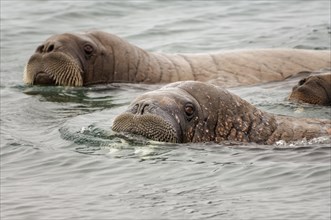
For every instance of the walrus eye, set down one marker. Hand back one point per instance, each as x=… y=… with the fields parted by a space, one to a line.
x=189 y=110
x=88 y=49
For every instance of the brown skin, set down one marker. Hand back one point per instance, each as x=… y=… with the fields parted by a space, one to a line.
x=200 y=112
x=98 y=58
x=315 y=89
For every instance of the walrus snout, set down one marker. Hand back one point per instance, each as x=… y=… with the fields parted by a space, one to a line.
x=148 y=117
x=48 y=66
x=151 y=126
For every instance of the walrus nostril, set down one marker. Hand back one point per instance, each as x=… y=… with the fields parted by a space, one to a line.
x=40 y=49
x=302 y=81
x=45 y=49
x=50 y=48
x=144 y=108
x=141 y=108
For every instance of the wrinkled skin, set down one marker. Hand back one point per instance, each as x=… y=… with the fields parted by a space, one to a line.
x=315 y=89
x=98 y=58
x=200 y=112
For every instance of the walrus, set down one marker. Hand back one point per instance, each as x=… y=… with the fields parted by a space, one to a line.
x=194 y=111
x=314 y=89
x=96 y=57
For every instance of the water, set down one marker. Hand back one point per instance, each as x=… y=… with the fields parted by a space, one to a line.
x=60 y=160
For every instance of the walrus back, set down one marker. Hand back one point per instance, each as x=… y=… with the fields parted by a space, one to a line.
x=244 y=67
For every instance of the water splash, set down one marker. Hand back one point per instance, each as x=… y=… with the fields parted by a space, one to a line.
x=304 y=142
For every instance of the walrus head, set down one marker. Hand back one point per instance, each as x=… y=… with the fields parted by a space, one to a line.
x=72 y=60
x=315 y=89
x=162 y=115
x=195 y=112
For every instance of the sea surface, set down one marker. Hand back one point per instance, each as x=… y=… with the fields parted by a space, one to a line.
x=60 y=159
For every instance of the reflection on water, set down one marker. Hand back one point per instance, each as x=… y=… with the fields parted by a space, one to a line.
x=60 y=160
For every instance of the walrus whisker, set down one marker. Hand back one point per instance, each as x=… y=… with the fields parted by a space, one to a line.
x=26 y=78
x=60 y=74
x=69 y=76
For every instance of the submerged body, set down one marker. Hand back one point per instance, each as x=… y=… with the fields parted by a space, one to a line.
x=200 y=112
x=98 y=58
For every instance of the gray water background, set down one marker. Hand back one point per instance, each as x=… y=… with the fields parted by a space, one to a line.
x=60 y=160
